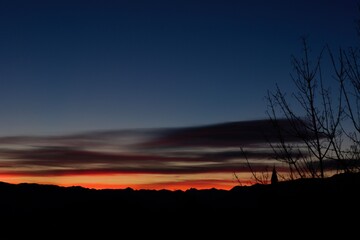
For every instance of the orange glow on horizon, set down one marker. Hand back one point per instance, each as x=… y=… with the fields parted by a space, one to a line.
x=172 y=186
x=135 y=181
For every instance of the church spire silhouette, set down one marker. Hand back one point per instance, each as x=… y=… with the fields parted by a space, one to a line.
x=274 y=178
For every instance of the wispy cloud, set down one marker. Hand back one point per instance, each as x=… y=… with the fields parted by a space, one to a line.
x=200 y=149
x=233 y=134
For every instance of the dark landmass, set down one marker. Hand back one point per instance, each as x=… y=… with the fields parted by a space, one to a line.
x=26 y=199
x=35 y=205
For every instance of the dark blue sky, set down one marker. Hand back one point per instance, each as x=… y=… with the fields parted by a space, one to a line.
x=70 y=66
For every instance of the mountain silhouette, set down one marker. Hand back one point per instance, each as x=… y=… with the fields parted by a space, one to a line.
x=27 y=198
x=34 y=206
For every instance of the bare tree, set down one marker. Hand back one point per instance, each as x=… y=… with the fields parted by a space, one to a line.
x=314 y=119
x=347 y=72
x=261 y=177
x=325 y=121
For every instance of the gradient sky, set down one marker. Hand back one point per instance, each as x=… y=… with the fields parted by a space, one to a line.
x=73 y=72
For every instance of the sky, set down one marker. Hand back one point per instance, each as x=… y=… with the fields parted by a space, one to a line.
x=149 y=94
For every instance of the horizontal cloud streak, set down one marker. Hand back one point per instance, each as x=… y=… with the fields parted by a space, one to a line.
x=190 y=150
x=232 y=134
x=205 y=168
x=72 y=161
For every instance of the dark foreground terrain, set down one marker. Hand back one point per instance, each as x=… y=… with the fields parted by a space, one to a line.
x=27 y=199
x=33 y=206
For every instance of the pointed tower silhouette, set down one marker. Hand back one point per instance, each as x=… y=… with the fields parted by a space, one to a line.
x=274 y=178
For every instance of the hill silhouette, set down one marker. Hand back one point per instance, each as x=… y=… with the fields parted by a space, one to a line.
x=25 y=198
x=35 y=205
